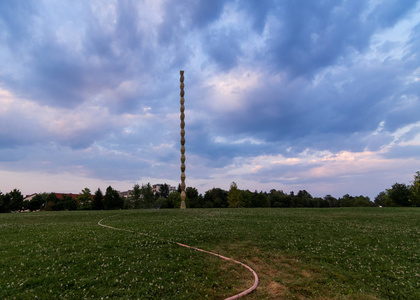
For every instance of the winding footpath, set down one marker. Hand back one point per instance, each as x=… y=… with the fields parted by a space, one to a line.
x=237 y=296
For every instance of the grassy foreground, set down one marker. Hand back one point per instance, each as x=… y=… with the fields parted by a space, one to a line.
x=354 y=253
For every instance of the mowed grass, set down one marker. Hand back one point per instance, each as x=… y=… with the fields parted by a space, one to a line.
x=354 y=253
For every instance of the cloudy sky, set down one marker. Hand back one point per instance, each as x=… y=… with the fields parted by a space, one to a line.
x=290 y=95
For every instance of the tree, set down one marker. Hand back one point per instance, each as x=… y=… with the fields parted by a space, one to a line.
x=147 y=196
x=59 y=204
x=234 y=196
x=51 y=200
x=69 y=202
x=246 y=198
x=4 y=203
x=346 y=201
x=159 y=202
x=398 y=195
x=380 y=199
x=315 y=202
x=276 y=198
x=85 y=199
x=164 y=190
x=194 y=199
x=174 y=200
x=36 y=202
x=351 y=201
x=16 y=200
x=45 y=200
x=362 y=201
x=414 y=197
x=280 y=199
x=98 y=200
x=332 y=201
x=303 y=199
x=136 y=196
x=388 y=201
x=324 y=203
x=167 y=203
x=112 y=199
x=216 y=197
x=260 y=200
x=207 y=204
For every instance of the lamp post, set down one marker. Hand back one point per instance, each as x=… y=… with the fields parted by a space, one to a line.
x=182 y=141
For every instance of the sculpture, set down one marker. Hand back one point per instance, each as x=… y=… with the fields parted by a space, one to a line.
x=182 y=141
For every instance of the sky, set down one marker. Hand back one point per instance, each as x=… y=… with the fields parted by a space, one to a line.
x=320 y=96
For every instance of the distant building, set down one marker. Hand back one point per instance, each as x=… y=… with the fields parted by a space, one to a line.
x=59 y=196
x=155 y=189
x=29 y=197
x=126 y=194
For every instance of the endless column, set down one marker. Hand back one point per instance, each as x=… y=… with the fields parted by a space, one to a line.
x=182 y=141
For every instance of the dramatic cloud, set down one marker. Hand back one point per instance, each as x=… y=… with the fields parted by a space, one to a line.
x=315 y=95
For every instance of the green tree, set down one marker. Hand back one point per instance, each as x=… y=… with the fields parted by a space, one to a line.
x=58 y=204
x=260 y=200
x=292 y=199
x=362 y=201
x=280 y=199
x=346 y=201
x=51 y=199
x=147 y=196
x=193 y=197
x=112 y=199
x=85 y=199
x=277 y=198
x=4 y=203
x=167 y=203
x=160 y=202
x=164 y=190
x=414 y=197
x=136 y=196
x=303 y=199
x=315 y=202
x=16 y=200
x=234 y=196
x=30 y=204
x=36 y=202
x=324 y=203
x=207 y=204
x=332 y=201
x=66 y=202
x=380 y=199
x=246 y=198
x=98 y=200
x=69 y=202
x=45 y=199
x=174 y=200
x=216 y=197
x=398 y=195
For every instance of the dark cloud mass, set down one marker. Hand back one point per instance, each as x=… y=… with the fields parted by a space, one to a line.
x=93 y=87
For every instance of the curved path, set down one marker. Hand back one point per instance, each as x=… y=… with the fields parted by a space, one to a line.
x=244 y=293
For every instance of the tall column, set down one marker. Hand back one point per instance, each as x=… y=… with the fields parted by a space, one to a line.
x=182 y=141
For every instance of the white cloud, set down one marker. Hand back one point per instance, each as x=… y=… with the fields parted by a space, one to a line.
x=228 y=90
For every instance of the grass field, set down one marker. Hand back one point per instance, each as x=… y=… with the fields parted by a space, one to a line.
x=355 y=253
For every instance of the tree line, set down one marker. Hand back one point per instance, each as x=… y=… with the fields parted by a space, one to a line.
x=14 y=201
x=142 y=197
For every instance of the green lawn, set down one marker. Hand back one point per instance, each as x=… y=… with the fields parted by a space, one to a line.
x=353 y=253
